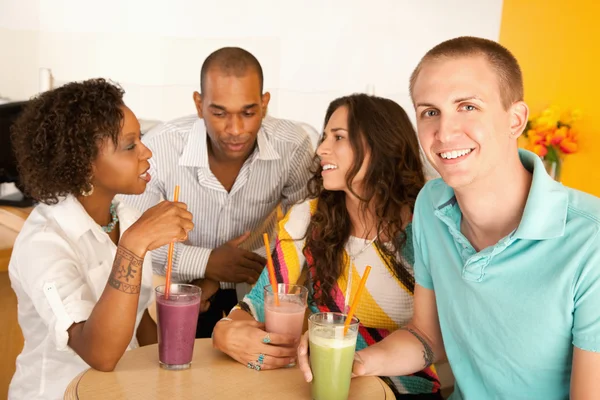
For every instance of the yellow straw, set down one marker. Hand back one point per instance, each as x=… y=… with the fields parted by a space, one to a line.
x=361 y=287
x=170 y=256
x=271 y=269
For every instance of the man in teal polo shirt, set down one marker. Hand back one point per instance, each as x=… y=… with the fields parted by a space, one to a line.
x=507 y=260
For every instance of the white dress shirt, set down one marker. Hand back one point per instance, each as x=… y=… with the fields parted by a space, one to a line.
x=276 y=172
x=59 y=268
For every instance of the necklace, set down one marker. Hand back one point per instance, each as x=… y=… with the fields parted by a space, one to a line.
x=352 y=258
x=111 y=225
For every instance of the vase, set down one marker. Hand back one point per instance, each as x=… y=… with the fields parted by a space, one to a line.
x=554 y=168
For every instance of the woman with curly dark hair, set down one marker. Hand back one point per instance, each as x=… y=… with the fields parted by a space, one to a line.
x=367 y=175
x=79 y=265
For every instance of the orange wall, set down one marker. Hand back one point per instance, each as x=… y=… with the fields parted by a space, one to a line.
x=557 y=43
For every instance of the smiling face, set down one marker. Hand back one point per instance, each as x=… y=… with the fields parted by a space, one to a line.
x=464 y=129
x=337 y=154
x=123 y=169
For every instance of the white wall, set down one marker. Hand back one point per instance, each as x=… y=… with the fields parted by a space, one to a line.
x=311 y=51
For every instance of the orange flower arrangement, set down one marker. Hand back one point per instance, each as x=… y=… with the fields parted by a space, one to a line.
x=551 y=136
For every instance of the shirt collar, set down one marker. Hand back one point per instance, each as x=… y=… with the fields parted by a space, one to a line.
x=545 y=213
x=195 y=153
x=70 y=215
x=266 y=151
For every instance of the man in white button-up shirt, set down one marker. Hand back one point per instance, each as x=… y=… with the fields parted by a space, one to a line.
x=234 y=166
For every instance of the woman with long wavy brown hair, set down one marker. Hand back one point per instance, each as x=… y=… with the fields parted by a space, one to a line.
x=367 y=174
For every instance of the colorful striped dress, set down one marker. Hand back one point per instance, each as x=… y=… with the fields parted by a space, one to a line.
x=385 y=305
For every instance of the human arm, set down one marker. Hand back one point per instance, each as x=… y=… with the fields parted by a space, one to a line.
x=102 y=338
x=242 y=337
x=409 y=349
x=404 y=352
x=585 y=373
x=208 y=289
x=227 y=263
x=146 y=332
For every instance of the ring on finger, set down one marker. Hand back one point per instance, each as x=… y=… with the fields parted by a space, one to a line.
x=251 y=365
x=267 y=339
x=261 y=359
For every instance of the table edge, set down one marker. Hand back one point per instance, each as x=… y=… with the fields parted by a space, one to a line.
x=72 y=390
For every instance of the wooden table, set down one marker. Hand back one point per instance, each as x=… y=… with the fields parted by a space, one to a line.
x=213 y=375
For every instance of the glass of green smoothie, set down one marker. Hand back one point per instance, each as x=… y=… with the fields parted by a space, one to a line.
x=331 y=354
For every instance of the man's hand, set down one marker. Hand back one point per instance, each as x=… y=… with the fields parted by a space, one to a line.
x=209 y=288
x=229 y=263
x=358 y=368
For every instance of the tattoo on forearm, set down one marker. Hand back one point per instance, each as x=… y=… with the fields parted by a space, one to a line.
x=126 y=272
x=428 y=355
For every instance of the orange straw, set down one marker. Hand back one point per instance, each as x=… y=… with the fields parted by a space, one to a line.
x=271 y=268
x=361 y=287
x=170 y=256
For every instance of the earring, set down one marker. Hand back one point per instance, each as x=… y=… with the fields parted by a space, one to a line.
x=88 y=192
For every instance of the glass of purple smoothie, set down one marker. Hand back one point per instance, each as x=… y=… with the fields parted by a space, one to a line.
x=177 y=318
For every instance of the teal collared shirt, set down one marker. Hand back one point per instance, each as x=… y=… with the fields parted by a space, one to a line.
x=511 y=313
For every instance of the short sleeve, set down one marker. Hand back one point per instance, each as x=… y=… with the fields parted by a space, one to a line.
x=421 y=266
x=586 y=313
x=255 y=299
x=47 y=269
x=288 y=258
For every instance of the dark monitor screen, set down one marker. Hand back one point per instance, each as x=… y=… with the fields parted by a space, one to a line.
x=8 y=164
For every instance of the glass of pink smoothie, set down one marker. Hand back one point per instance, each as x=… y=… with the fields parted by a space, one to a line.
x=288 y=316
x=177 y=318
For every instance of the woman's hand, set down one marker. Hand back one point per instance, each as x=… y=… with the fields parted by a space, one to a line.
x=162 y=224
x=243 y=341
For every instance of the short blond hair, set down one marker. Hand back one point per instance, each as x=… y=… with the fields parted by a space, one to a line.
x=510 y=77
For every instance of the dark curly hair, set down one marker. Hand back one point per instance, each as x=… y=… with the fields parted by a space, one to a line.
x=57 y=137
x=392 y=181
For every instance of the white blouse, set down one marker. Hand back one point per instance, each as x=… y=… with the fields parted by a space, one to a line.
x=59 y=268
